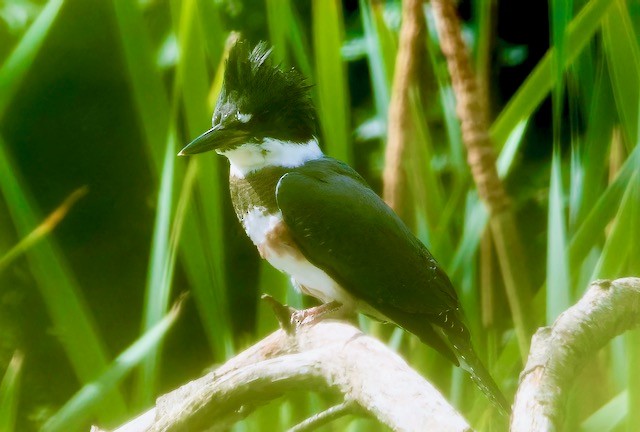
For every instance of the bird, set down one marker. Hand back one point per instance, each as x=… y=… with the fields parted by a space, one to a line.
x=317 y=220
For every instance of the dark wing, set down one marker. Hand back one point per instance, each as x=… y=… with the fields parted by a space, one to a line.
x=342 y=226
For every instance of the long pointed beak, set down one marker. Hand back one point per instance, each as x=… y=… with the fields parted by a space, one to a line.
x=218 y=137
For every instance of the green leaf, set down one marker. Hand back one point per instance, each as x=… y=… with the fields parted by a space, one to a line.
x=205 y=219
x=601 y=213
x=589 y=173
x=617 y=247
x=608 y=417
x=21 y=58
x=299 y=44
x=203 y=267
x=558 y=282
x=62 y=296
x=213 y=31
x=147 y=87
x=539 y=82
x=78 y=409
x=331 y=78
x=9 y=393
x=48 y=225
x=632 y=348
x=278 y=21
x=476 y=216
x=380 y=55
x=159 y=274
x=560 y=15
x=623 y=58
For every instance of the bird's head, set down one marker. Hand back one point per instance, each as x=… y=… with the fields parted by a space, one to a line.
x=261 y=107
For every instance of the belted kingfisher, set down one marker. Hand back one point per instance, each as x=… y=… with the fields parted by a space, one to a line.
x=316 y=219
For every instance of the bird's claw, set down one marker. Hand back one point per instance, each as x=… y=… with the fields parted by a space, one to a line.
x=291 y=319
x=313 y=315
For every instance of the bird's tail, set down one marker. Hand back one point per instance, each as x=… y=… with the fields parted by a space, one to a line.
x=470 y=362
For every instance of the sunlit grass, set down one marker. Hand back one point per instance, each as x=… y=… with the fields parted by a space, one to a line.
x=79 y=408
x=10 y=392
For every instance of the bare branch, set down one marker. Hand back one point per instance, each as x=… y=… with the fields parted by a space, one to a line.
x=326 y=416
x=326 y=356
x=559 y=352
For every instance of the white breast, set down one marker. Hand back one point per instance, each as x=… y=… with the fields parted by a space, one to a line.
x=257 y=222
x=251 y=157
x=262 y=228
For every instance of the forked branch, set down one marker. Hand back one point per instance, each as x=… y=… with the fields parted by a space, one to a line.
x=559 y=352
x=327 y=356
x=335 y=356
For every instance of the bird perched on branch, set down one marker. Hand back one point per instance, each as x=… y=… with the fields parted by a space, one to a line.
x=316 y=219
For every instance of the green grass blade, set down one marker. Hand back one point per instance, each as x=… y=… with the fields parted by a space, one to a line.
x=424 y=183
x=299 y=44
x=538 y=84
x=9 y=393
x=286 y=31
x=148 y=90
x=608 y=417
x=211 y=303
x=476 y=219
x=456 y=149
x=623 y=58
x=632 y=338
x=331 y=78
x=78 y=409
x=62 y=296
x=380 y=62
x=213 y=31
x=510 y=149
x=19 y=61
x=558 y=288
x=632 y=346
x=560 y=15
x=159 y=275
x=617 y=247
x=278 y=21
x=476 y=216
x=601 y=213
x=206 y=212
x=191 y=75
x=276 y=284
x=483 y=26
x=155 y=115
x=48 y=225
x=593 y=154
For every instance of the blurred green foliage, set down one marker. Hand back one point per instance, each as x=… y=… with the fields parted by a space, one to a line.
x=103 y=94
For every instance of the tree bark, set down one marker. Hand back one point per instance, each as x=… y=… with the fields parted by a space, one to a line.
x=559 y=352
x=329 y=356
x=335 y=356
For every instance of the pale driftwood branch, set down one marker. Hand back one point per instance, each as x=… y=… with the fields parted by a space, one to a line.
x=326 y=416
x=327 y=355
x=559 y=352
x=337 y=356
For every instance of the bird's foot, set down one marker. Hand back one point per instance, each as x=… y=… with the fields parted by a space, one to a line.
x=315 y=314
x=291 y=319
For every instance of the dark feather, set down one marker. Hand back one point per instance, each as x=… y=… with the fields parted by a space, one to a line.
x=278 y=100
x=372 y=254
x=366 y=248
